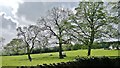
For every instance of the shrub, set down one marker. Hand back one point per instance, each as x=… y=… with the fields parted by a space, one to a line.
x=45 y=50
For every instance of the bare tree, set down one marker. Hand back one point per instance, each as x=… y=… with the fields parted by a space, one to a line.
x=43 y=39
x=29 y=36
x=54 y=22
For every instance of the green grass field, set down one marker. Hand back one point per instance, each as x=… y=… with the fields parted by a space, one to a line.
x=22 y=60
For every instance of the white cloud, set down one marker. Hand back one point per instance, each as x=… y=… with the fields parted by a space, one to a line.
x=24 y=22
x=9 y=2
x=3 y=14
x=8 y=27
x=14 y=4
x=8 y=21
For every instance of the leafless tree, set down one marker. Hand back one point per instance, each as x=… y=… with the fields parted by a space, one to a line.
x=29 y=36
x=54 y=22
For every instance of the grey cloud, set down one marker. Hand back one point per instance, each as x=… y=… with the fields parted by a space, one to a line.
x=7 y=28
x=8 y=35
x=33 y=10
x=7 y=10
x=8 y=23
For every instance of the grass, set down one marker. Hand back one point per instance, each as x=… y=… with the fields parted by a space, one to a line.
x=22 y=60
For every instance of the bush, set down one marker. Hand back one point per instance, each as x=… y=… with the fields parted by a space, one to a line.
x=45 y=50
x=96 y=46
x=76 y=47
x=36 y=50
x=67 y=47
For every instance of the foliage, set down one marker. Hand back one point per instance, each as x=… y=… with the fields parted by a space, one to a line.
x=45 y=50
x=92 y=21
x=69 y=47
x=96 y=45
x=15 y=47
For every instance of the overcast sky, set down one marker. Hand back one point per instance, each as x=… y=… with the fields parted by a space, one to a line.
x=14 y=13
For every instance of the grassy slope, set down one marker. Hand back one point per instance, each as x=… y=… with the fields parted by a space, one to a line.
x=45 y=58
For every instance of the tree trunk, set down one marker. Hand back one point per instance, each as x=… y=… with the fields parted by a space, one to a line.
x=60 y=51
x=89 y=50
x=91 y=39
x=29 y=57
x=28 y=52
x=117 y=47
